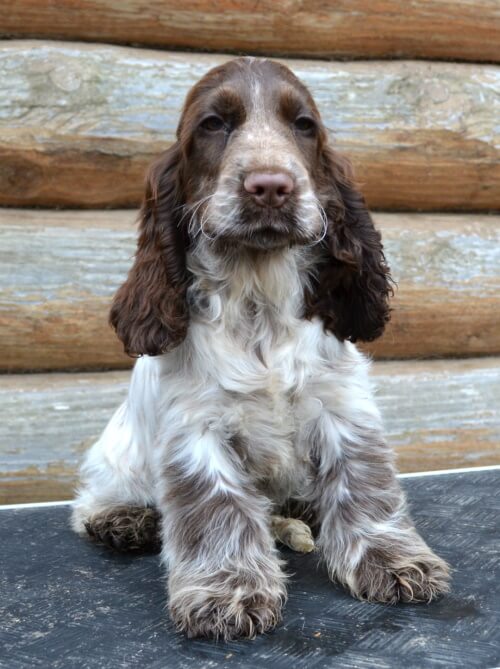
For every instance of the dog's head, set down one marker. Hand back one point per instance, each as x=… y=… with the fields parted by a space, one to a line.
x=252 y=169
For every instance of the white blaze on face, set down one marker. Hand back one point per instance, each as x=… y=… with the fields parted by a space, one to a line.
x=262 y=144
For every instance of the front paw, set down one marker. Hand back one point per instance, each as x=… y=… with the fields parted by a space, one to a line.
x=225 y=605
x=388 y=577
x=126 y=529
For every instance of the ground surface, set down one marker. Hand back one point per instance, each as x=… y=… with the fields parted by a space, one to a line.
x=66 y=604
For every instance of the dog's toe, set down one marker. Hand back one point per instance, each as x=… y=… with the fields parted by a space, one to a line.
x=380 y=578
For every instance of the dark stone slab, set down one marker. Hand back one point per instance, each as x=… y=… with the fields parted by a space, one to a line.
x=66 y=604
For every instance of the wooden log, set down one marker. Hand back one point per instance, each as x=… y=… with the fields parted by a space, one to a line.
x=346 y=28
x=441 y=414
x=49 y=421
x=80 y=123
x=447 y=301
x=59 y=269
x=438 y=415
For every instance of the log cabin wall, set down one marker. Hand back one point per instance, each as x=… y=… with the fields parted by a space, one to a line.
x=90 y=94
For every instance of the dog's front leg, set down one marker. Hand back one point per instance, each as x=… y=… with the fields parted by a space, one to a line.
x=224 y=575
x=366 y=535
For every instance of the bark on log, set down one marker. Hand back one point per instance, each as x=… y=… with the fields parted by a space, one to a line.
x=457 y=29
x=80 y=123
x=438 y=415
x=59 y=269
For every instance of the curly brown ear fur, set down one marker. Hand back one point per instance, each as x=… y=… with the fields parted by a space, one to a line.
x=149 y=311
x=352 y=285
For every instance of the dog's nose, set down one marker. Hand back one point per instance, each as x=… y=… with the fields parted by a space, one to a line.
x=269 y=190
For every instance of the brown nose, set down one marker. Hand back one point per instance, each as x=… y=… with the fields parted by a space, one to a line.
x=269 y=190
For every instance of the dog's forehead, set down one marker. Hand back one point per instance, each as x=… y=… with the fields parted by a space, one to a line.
x=254 y=81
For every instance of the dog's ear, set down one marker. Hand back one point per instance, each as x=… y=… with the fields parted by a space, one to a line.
x=351 y=286
x=149 y=311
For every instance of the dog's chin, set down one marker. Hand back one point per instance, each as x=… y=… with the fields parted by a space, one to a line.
x=269 y=231
x=266 y=239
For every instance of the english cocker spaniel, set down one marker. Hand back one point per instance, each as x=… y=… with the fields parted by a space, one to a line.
x=257 y=268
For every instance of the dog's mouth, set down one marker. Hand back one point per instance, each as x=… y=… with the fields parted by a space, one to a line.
x=268 y=228
x=243 y=224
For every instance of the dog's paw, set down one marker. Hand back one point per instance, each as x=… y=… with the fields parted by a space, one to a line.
x=226 y=607
x=126 y=529
x=383 y=577
x=293 y=533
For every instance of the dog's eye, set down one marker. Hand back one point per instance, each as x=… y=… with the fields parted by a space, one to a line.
x=212 y=123
x=305 y=124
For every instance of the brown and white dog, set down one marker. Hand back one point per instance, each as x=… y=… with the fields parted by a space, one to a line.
x=257 y=267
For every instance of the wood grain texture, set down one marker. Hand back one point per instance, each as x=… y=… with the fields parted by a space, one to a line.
x=80 y=123
x=48 y=422
x=447 y=301
x=441 y=414
x=438 y=415
x=457 y=29
x=59 y=269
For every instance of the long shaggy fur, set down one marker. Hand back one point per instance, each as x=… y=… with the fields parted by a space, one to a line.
x=250 y=395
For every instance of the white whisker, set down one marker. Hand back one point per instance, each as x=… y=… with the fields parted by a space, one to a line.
x=193 y=208
x=324 y=221
x=202 y=229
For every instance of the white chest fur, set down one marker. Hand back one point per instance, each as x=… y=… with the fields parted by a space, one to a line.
x=251 y=369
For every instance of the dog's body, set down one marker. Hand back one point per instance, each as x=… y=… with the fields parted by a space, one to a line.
x=255 y=399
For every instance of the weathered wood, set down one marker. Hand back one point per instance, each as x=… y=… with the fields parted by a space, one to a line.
x=447 y=301
x=466 y=29
x=80 y=123
x=48 y=422
x=438 y=415
x=58 y=270
x=441 y=414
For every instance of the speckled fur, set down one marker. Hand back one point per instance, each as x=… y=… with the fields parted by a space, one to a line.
x=252 y=394
x=126 y=529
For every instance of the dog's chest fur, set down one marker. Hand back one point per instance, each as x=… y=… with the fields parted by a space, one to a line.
x=265 y=361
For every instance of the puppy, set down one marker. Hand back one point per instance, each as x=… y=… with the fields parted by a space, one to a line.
x=257 y=268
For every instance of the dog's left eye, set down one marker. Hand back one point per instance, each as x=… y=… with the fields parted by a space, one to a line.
x=305 y=124
x=212 y=123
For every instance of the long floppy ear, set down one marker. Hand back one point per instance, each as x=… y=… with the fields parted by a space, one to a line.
x=149 y=311
x=352 y=285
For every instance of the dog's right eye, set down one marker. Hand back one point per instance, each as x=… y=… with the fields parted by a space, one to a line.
x=212 y=123
x=305 y=124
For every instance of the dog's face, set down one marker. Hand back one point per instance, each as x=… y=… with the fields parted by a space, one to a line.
x=253 y=132
x=252 y=167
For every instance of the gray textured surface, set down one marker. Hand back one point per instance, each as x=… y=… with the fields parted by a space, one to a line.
x=67 y=604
